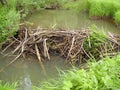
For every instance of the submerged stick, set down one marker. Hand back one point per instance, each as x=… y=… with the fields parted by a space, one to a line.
x=11 y=62
x=46 y=53
x=17 y=48
x=7 y=47
x=39 y=58
x=22 y=45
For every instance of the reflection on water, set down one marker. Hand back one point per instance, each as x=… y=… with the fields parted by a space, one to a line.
x=29 y=72
x=68 y=19
x=25 y=83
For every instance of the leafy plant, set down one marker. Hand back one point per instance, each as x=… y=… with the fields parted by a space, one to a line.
x=102 y=75
x=77 y=5
x=11 y=4
x=9 y=20
x=117 y=16
x=94 y=40
x=101 y=7
x=104 y=8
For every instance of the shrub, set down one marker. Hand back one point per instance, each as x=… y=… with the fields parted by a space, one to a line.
x=9 y=19
x=104 y=8
x=94 y=41
x=117 y=17
x=102 y=75
x=11 y=4
x=26 y=6
x=77 y=5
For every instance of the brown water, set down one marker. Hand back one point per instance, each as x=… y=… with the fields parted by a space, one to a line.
x=68 y=20
x=22 y=68
x=29 y=69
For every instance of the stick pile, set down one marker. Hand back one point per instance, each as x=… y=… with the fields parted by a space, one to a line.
x=68 y=44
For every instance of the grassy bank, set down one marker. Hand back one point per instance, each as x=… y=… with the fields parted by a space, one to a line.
x=104 y=8
x=9 y=21
x=102 y=75
x=14 y=10
x=97 y=9
x=7 y=86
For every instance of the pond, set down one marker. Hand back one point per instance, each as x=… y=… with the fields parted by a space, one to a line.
x=22 y=68
x=29 y=69
x=67 y=19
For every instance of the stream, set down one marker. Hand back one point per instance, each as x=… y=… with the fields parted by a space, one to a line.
x=28 y=71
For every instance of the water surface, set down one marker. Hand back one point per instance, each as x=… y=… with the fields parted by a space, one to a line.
x=22 y=68
x=29 y=68
x=68 y=20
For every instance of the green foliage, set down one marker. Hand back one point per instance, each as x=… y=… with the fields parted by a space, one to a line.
x=8 y=86
x=94 y=40
x=101 y=7
x=11 y=4
x=54 y=3
x=77 y=5
x=117 y=16
x=104 y=8
x=9 y=19
x=102 y=75
x=26 y=6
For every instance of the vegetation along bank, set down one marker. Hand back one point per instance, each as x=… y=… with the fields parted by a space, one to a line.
x=101 y=75
x=14 y=10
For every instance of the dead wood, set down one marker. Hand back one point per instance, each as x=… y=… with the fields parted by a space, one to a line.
x=68 y=44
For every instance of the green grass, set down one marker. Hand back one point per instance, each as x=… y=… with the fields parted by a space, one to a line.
x=101 y=75
x=77 y=5
x=8 y=86
x=96 y=38
x=9 y=20
x=104 y=8
x=17 y=9
x=117 y=16
x=93 y=41
x=99 y=8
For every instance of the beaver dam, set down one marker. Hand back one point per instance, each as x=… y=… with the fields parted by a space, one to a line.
x=75 y=46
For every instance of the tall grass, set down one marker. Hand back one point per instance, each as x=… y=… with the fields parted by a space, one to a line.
x=99 y=8
x=8 y=86
x=77 y=5
x=9 y=20
x=102 y=75
x=96 y=38
x=117 y=16
x=104 y=8
x=93 y=42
